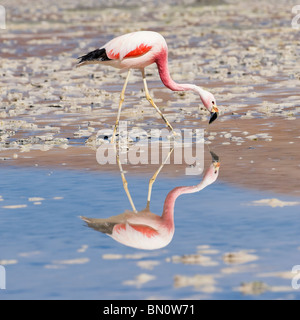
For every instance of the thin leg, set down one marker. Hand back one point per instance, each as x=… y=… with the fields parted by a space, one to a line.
x=153 y=104
x=152 y=180
x=125 y=185
x=122 y=97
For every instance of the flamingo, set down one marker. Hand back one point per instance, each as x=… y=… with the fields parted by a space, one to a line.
x=144 y=229
x=137 y=50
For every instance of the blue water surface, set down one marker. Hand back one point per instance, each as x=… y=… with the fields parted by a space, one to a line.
x=40 y=243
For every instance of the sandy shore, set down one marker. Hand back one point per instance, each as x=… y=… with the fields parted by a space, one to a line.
x=245 y=52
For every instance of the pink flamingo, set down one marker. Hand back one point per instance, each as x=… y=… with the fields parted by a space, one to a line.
x=138 y=50
x=144 y=229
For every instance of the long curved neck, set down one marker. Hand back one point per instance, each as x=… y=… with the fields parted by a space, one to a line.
x=168 y=211
x=163 y=69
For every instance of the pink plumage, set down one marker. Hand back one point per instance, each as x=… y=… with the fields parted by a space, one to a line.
x=137 y=50
x=144 y=229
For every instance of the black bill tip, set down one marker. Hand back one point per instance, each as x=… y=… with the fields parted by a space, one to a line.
x=213 y=117
x=215 y=157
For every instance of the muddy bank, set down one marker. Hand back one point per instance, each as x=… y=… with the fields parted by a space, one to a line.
x=244 y=52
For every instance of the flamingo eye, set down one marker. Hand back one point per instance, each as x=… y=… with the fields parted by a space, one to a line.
x=213 y=102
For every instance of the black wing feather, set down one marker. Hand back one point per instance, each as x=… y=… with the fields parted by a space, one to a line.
x=96 y=55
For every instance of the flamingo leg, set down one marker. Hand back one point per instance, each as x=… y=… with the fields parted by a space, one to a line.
x=154 y=105
x=122 y=97
x=152 y=180
x=125 y=185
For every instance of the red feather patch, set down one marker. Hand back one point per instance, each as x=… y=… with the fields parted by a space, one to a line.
x=141 y=49
x=119 y=227
x=112 y=55
x=145 y=230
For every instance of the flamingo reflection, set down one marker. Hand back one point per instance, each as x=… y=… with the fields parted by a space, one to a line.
x=144 y=229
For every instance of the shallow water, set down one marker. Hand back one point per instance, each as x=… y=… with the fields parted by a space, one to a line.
x=49 y=110
x=49 y=253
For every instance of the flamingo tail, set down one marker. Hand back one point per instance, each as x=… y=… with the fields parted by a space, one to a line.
x=100 y=224
x=93 y=56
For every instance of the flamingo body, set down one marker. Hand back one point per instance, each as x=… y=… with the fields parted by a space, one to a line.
x=137 y=50
x=144 y=229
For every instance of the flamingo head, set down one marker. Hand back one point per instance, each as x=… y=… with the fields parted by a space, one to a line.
x=212 y=172
x=210 y=104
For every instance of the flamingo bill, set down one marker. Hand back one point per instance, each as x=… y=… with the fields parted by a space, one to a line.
x=213 y=117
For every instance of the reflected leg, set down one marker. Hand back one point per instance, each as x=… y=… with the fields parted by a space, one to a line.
x=125 y=184
x=122 y=97
x=152 y=180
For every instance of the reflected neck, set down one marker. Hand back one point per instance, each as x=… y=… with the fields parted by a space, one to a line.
x=168 y=211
